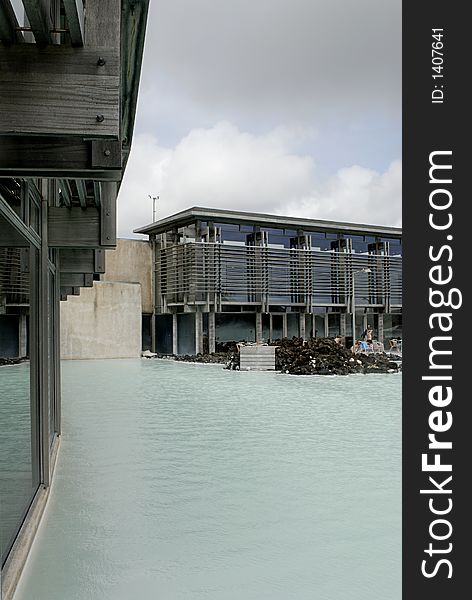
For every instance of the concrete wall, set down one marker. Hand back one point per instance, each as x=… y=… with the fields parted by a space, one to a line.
x=103 y=322
x=131 y=262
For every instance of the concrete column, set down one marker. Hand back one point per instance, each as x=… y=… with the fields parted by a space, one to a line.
x=211 y=332
x=198 y=332
x=342 y=324
x=175 y=333
x=284 y=325
x=258 y=327
x=302 y=325
x=22 y=336
x=153 y=332
x=380 y=332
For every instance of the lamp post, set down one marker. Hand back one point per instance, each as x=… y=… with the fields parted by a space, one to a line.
x=353 y=301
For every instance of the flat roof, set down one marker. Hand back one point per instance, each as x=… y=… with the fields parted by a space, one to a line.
x=190 y=215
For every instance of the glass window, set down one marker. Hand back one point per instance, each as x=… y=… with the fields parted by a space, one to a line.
x=19 y=477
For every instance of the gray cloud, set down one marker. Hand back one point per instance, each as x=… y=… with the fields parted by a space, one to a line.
x=297 y=59
x=287 y=106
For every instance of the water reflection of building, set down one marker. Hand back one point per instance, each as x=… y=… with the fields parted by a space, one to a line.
x=224 y=275
x=68 y=91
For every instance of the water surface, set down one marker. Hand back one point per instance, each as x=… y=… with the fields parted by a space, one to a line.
x=179 y=481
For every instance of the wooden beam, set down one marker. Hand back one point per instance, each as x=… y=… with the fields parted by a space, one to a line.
x=106 y=154
x=9 y=33
x=38 y=13
x=108 y=214
x=99 y=266
x=53 y=157
x=77 y=261
x=72 y=279
x=88 y=279
x=84 y=91
x=66 y=192
x=75 y=17
x=103 y=23
x=97 y=193
x=74 y=227
x=66 y=291
x=82 y=192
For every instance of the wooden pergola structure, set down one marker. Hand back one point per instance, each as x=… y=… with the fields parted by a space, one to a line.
x=68 y=90
x=69 y=75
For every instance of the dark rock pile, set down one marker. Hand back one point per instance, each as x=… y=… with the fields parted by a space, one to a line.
x=213 y=358
x=323 y=356
x=11 y=361
x=317 y=356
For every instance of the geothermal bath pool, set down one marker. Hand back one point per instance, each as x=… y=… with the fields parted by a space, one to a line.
x=178 y=481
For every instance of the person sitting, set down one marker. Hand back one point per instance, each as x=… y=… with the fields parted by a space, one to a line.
x=394 y=345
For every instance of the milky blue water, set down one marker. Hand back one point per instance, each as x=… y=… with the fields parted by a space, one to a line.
x=179 y=481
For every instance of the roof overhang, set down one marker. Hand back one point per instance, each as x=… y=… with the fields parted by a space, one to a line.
x=263 y=220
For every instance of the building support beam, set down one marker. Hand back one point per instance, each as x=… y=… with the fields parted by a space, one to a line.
x=284 y=325
x=99 y=261
x=74 y=228
x=66 y=192
x=55 y=157
x=302 y=325
x=39 y=17
x=82 y=192
x=108 y=214
x=175 y=333
x=22 y=336
x=72 y=280
x=380 y=333
x=258 y=327
x=77 y=261
x=198 y=332
x=44 y=366
x=211 y=332
x=75 y=18
x=73 y=80
x=342 y=324
x=9 y=33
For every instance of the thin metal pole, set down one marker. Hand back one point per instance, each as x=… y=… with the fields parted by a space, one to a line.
x=353 y=308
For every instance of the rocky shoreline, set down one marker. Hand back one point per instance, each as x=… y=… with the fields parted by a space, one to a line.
x=317 y=356
x=11 y=361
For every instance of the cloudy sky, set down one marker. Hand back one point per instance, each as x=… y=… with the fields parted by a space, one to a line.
x=279 y=106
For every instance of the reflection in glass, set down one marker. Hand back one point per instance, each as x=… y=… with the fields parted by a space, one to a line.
x=18 y=477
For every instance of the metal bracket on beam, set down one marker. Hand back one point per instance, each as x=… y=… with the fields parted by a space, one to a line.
x=108 y=214
x=106 y=154
x=99 y=256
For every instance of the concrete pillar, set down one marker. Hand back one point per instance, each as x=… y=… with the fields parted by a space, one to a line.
x=302 y=325
x=258 y=327
x=284 y=325
x=211 y=332
x=175 y=333
x=342 y=324
x=198 y=332
x=380 y=332
x=153 y=332
x=22 y=336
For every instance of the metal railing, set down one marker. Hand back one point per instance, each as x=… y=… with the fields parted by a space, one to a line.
x=223 y=273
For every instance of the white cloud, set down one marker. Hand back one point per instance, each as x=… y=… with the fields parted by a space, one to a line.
x=223 y=167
